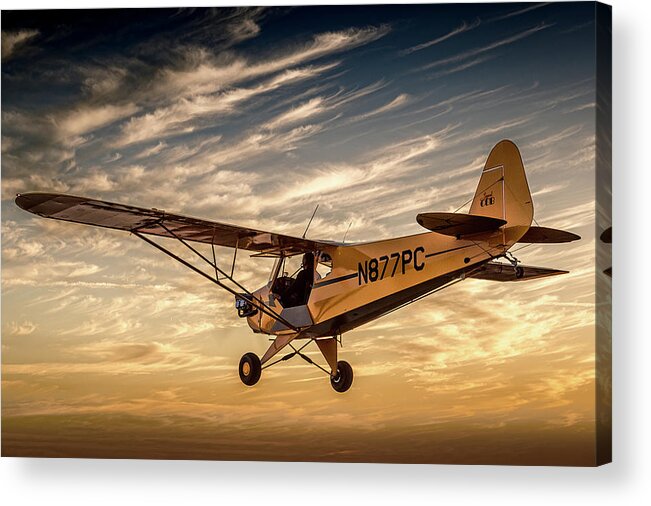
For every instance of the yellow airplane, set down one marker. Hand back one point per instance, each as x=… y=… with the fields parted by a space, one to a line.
x=340 y=286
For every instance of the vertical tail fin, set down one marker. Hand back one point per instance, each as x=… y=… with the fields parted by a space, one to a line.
x=503 y=191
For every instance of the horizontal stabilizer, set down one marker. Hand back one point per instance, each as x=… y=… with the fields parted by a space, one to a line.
x=495 y=271
x=544 y=235
x=457 y=224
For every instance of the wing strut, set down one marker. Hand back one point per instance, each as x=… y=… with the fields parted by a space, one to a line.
x=260 y=304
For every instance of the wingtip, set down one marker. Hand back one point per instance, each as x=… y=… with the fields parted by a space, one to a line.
x=28 y=200
x=20 y=200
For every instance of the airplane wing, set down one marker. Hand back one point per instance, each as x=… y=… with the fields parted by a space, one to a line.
x=88 y=211
x=496 y=271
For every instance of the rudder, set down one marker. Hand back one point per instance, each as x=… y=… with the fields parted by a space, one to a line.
x=503 y=191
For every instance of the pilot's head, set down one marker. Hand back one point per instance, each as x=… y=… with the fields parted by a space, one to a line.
x=308 y=260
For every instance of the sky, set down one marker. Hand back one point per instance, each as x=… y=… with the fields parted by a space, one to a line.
x=253 y=116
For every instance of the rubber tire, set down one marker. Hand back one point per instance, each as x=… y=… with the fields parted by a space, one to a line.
x=344 y=377
x=519 y=272
x=255 y=369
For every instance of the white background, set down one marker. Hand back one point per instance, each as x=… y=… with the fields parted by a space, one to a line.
x=626 y=481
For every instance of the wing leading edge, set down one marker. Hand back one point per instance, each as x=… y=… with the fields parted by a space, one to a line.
x=99 y=213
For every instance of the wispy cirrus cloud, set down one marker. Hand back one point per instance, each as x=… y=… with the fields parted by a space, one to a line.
x=398 y=102
x=205 y=74
x=486 y=48
x=313 y=107
x=464 y=27
x=462 y=66
x=181 y=116
x=558 y=136
x=391 y=162
x=23 y=328
x=90 y=118
x=319 y=105
x=203 y=88
x=13 y=41
x=518 y=12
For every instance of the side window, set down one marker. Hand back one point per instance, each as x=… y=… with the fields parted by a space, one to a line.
x=323 y=266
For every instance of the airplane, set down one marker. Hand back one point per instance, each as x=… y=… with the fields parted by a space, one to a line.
x=358 y=282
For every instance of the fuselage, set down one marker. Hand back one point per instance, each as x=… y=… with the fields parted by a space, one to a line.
x=370 y=279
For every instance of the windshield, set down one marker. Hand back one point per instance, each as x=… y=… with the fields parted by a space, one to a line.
x=286 y=267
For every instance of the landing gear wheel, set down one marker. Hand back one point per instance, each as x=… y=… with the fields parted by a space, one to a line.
x=519 y=272
x=343 y=379
x=250 y=369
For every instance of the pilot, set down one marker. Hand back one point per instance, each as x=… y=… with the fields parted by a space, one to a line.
x=300 y=289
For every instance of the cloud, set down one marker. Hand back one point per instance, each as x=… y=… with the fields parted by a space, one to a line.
x=548 y=189
x=463 y=66
x=518 y=12
x=581 y=107
x=245 y=29
x=94 y=181
x=572 y=217
x=24 y=249
x=251 y=146
x=64 y=270
x=501 y=128
x=464 y=27
x=320 y=105
x=143 y=353
x=557 y=137
x=393 y=162
x=22 y=329
x=12 y=42
x=180 y=116
x=205 y=75
x=151 y=151
x=306 y=110
x=89 y=118
x=398 y=102
x=483 y=49
x=115 y=358
x=189 y=90
x=113 y=158
x=103 y=81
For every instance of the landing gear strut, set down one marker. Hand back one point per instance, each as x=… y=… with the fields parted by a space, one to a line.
x=340 y=373
x=250 y=369
x=519 y=271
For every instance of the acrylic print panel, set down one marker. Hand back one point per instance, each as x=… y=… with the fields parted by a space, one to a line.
x=448 y=301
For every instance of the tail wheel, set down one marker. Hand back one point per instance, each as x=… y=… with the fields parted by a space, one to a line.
x=250 y=369
x=343 y=379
